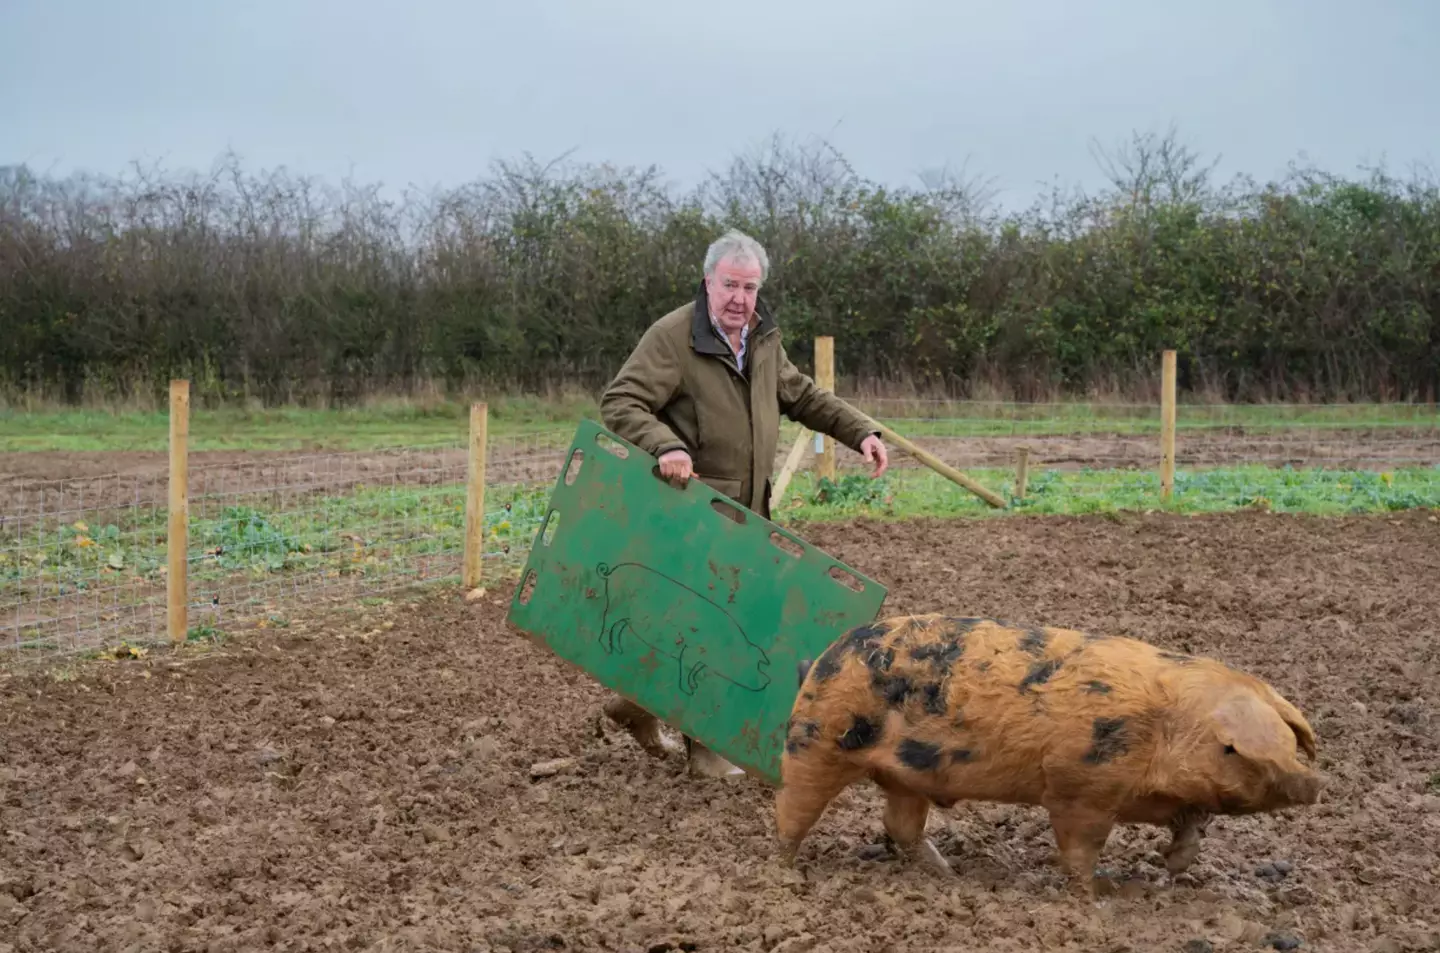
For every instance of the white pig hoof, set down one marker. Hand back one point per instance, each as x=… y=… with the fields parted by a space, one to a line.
x=705 y=763
x=670 y=745
x=930 y=855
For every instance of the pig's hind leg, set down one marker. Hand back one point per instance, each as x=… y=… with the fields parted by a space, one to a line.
x=905 y=816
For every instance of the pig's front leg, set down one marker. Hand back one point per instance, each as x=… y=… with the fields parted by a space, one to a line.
x=1186 y=829
x=905 y=816
x=1081 y=831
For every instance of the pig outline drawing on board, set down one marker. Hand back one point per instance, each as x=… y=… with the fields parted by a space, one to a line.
x=691 y=662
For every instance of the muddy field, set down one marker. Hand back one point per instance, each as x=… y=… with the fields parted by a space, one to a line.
x=35 y=486
x=361 y=779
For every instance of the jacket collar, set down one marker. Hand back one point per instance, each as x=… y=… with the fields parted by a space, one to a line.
x=702 y=332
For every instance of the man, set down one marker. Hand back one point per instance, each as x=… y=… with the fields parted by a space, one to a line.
x=703 y=392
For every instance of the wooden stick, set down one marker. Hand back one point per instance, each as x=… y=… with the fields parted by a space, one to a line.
x=825 y=377
x=942 y=468
x=475 y=495
x=1167 y=425
x=1022 y=471
x=797 y=452
x=179 y=513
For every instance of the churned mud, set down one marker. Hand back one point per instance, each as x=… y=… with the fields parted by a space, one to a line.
x=362 y=780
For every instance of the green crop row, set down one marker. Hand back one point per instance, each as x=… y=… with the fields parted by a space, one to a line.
x=378 y=529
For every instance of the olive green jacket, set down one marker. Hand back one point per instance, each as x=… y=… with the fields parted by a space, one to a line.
x=682 y=389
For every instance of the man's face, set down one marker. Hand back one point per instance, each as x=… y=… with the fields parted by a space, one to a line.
x=732 y=291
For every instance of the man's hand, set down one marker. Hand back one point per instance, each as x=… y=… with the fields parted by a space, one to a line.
x=874 y=451
x=676 y=465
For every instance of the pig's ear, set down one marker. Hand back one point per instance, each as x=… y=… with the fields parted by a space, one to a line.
x=1247 y=723
x=1304 y=734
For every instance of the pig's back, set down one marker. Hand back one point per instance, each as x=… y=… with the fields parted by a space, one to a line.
x=1037 y=687
x=991 y=701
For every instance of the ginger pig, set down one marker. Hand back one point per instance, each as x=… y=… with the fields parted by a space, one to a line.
x=1097 y=730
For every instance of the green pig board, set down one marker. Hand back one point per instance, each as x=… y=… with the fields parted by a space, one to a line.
x=694 y=607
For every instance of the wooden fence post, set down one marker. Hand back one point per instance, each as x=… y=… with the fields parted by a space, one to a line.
x=941 y=467
x=176 y=590
x=475 y=495
x=825 y=377
x=1167 y=425
x=782 y=482
x=1022 y=471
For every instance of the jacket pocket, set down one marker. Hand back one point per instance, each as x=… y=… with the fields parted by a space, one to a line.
x=730 y=488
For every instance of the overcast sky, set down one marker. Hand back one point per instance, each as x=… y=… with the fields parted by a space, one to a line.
x=429 y=92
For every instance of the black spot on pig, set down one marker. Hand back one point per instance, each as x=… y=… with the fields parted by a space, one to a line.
x=1039 y=673
x=862 y=733
x=941 y=655
x=880 y=660
x=1033 y=641
x=893 y=688
x=1097 y=688
x=1107 y=740
x=934 y=695
x=829 y=664
x=961 y=756
x=865 y=637
x=858 y=641
x=963 y=625
x=919 y=755
x=983 y=666
x=801 y=735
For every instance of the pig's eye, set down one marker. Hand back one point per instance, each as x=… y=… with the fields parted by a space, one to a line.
x=1229 y=749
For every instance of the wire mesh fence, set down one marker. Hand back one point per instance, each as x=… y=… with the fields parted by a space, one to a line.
x=83 y=561
x=81 y=558
x=1086 y=456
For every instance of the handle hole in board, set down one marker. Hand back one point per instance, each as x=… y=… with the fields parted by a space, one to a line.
x=608 y=443
x=577 y=459
x=548 y=532
x=785 y=543
x=845 y=579
x=728 y=510
x=527 y=588
x=655 y=472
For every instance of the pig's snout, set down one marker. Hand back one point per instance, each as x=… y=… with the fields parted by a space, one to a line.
x=1292 y=788
x=1303 y=787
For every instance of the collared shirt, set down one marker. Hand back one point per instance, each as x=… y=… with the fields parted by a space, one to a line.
x=744 y=340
